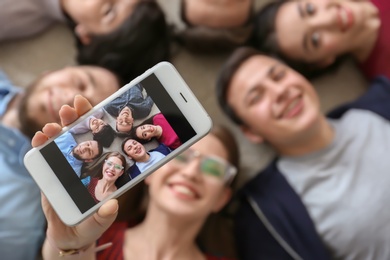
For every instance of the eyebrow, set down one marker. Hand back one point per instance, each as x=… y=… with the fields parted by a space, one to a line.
x=257 y=85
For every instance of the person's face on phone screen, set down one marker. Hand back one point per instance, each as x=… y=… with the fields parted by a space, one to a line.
x=96 y=125
x=98 y=17
x=134 y=150
x=86 y=151
x=124 y=121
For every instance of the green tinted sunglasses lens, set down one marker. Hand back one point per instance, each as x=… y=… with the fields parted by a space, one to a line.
x=212 y=167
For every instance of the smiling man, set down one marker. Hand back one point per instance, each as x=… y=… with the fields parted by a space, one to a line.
x=323 y=196
x=78 y=153
x=129 y=106
x=142 y=159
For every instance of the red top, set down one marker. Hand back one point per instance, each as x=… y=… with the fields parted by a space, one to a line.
x=116 y=235
x=378 y=63
x=168 y=137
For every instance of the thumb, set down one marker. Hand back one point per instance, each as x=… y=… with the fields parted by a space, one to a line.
x=107 y=212
x=94 y=227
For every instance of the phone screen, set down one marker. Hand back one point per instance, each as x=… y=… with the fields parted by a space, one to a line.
x=86 y=157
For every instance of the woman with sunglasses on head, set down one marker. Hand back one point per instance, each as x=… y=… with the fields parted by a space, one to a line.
x=182 y=195
x=314 y=35
x=104 y=172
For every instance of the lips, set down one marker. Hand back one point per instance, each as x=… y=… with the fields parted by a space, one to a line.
x=110 y=174
x=184 y=191
x=292 y=108
x=346 y=18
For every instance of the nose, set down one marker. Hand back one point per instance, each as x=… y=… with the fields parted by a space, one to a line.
x=65 y=93
x=192 y=169
x=325 y=16
x=279 y=90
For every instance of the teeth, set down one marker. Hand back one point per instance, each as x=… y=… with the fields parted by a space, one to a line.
x=291 y=106
x=184 y=190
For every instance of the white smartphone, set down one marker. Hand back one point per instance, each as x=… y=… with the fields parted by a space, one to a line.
x=72 y=168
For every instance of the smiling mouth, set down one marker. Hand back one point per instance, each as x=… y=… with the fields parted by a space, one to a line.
x=346 y=18
x=294 y=107
x=184 y=191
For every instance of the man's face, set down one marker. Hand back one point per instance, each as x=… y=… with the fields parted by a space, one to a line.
x=125 y=120
x=87 y=150
x=97 y=17
x=134 y=149
x=59 y=88
x=96 y=125
x=275 y=103
x=217 y=14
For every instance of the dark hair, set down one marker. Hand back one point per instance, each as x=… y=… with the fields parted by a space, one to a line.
x=138 y=44
x=204 y=39
x=100 y=151
x=123 y=145
x=226 y=74
x=105 y=136
x=95 y=168
x=264 y=39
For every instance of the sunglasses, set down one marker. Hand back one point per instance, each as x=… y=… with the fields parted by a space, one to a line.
x=116 y=166
x=209 y=165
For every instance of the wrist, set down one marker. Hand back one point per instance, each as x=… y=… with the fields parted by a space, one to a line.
x=67 y=251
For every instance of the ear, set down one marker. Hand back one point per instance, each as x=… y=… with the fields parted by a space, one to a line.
x=226 y=194
x=251 y=135
x=83 y=34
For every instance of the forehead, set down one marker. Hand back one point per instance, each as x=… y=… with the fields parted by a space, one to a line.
x=251 y=72
x=114 y=159
x=290 y=29
x=211 y=146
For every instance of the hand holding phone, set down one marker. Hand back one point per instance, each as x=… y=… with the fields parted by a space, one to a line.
x=61 y=237
x=97 y=158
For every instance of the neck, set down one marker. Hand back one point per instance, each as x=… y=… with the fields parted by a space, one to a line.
x=320 y=137
x=106 y=186
x=159 y=131
x=163 y=236
x=145 y=158
x=11 y=116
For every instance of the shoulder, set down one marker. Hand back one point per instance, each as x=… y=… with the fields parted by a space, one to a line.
x=162 y=148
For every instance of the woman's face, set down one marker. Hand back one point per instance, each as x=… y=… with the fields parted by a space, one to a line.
x=99 y=16
x=191 y=187
x=318 y=31
x=112 y=168
x=146 y=132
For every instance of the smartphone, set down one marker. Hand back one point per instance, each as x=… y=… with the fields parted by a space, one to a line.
x=71 y=167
